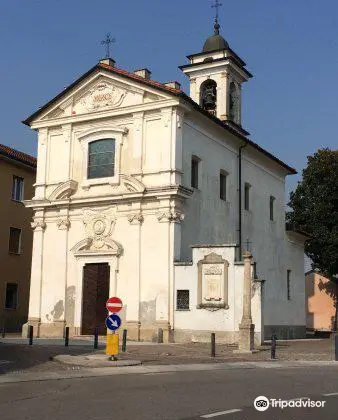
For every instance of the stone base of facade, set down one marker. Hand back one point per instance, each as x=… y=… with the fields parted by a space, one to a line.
x=139 y=332
x=35 y=322
x=285 y=332
x=43 y=330
x=222 y=337
x=133 y=330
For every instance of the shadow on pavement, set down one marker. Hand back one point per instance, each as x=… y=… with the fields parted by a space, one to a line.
x=19 y=357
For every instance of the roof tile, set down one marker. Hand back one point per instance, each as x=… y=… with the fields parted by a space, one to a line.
x=17 y=155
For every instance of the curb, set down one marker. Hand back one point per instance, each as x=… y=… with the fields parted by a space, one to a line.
x=155 y=369
x=94 y=362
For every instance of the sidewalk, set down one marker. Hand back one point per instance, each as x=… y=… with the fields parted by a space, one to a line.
x=178 y=353
x=81 y=354
x=157 y=369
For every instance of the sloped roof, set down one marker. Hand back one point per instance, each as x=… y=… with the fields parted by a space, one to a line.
x=228 y=125
x=14 y=154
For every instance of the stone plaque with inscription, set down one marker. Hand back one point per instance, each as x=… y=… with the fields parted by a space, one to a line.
x=213 y=282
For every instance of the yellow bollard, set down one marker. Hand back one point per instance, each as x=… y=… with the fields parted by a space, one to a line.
x=112 y=345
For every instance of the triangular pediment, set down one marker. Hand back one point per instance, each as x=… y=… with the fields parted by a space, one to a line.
x=99 y=92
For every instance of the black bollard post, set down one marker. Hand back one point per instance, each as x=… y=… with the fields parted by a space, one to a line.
x=3 y=329
x=96 y=338
x=273 y=346
x=30 y=334
x=124 y=341
x=213 y=345
x=160 y=335
x=336 y=347
x=66 y=336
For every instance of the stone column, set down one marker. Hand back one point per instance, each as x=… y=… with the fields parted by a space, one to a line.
x=246 y=327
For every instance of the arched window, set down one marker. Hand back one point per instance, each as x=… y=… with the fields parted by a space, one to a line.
x=234 y=103
x=101 y=158
x=208 y=96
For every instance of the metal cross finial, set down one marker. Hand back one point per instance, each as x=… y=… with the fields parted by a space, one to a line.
x=216 y=6
x=248 y=243
x=107 y=43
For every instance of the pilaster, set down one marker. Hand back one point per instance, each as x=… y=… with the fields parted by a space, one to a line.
x=166 y=138
x=135 y=219
x=40 y=183
x=34 y=312
x=138 y=126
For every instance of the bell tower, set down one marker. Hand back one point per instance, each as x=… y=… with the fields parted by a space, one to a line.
x=216 y=76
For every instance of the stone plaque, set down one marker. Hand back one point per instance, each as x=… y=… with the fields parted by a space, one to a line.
x=212 y=282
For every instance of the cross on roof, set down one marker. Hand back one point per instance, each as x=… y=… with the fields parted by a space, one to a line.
x=106 y=42
x=248 y=243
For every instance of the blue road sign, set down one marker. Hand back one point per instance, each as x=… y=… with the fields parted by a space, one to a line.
x=113 y=322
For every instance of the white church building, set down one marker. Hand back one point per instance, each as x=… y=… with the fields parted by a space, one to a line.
x=153 y=195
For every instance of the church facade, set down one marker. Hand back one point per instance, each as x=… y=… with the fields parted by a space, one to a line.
x=152 y=195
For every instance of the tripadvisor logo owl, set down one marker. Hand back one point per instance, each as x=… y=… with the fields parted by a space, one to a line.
x=261 y=403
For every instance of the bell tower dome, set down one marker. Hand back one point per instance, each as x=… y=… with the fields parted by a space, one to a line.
x=216 y=76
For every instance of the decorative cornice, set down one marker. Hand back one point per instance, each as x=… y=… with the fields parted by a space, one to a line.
x=89 y=246
x=64 y=190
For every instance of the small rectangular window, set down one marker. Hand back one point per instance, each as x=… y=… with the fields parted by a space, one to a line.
x=14 y=245
x=17 y=188
x=223 y=186
x=11 y=301
x=194 y=172
x=272 y=205
x=247 y=196
x=182 y=301
x=288 y=284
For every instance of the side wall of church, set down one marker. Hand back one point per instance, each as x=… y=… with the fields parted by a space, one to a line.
x=211 y=220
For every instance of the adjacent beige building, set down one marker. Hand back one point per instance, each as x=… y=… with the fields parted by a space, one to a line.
x=321 y=295
x=17 y=176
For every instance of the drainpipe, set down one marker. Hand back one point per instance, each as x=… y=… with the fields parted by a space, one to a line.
x=239 y=230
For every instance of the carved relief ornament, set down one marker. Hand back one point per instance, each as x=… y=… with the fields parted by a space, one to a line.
x=170 y=216
x=135 y=219
x=63 y=224
x=212 y=288
x=103 y=95
x=99 y=225
x=38 y=225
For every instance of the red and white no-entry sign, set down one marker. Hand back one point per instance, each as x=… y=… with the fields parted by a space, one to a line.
x=114 y=304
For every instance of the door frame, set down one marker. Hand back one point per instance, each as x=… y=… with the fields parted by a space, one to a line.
x=112 y=261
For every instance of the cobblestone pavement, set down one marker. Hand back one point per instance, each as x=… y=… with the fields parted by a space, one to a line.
x=22 y=358
x=200 y=352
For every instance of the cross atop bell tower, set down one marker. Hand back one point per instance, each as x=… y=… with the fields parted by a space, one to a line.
x=216 y=76
x=216 y=6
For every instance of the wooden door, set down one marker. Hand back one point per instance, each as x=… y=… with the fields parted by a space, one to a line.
x=95 y=295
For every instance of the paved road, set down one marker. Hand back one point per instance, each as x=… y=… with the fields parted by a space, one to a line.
x=173 y=395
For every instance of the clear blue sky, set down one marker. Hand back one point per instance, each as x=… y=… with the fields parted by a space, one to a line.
x=291 y=47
